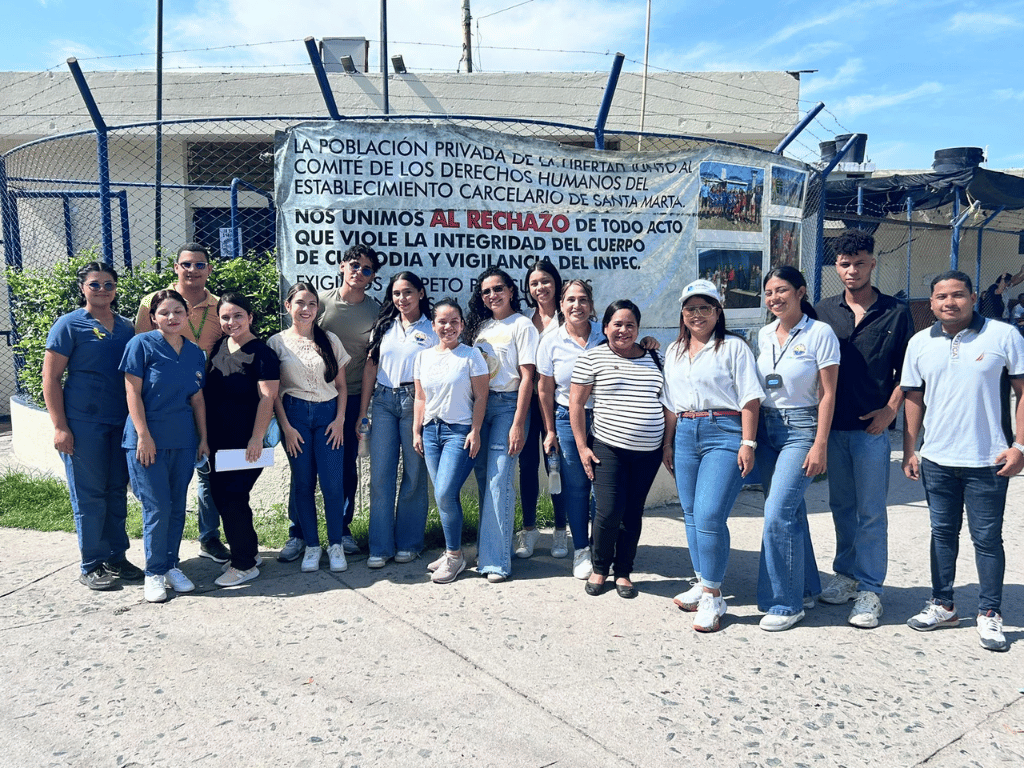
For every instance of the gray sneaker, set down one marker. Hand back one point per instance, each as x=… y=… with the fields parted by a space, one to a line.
x=452 y=566
x=840 y=589
x=349 y=545
x=292 y=550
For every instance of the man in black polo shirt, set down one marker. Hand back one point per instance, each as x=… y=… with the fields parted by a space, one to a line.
x=873 y=331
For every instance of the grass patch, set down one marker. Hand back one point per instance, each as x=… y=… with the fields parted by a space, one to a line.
x=41 y=503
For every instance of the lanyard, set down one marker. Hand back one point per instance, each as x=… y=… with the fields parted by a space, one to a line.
x=195 y=333
x=782 y=352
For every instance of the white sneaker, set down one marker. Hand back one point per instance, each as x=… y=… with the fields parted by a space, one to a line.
x=232 y=577
x=311 y=560
x=933 y=616
x=405 y=556
x=690 y=599
x=155 y=589
x=581 y=565
x=773 y=622
x=375 y=561
x=449 y=569
x=866 y=610
x=559 y=543
x=178 y=581
x=709 y=610
x=526 y=541
x=224 y=568
x=990 y=628
x=292 y=550
x=840 y=589
x=336 y=554
x=435 y=564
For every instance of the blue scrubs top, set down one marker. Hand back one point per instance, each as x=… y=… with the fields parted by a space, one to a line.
x=169 y=379
x=94 y=388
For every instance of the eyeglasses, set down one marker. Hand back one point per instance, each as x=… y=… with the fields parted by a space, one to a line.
x=489 y=291
x=197 y=265
x=355 y=267
x=704 y=310
x=107 y=286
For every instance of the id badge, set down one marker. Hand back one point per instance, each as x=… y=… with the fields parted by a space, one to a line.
x=773 y=381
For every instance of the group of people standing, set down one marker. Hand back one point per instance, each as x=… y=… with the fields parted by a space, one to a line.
x=438 y=392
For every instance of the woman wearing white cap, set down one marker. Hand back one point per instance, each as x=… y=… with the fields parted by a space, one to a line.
x=712 y=397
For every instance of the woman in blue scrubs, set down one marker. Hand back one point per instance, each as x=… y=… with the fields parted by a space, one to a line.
x=165 y=435
x=88 y=413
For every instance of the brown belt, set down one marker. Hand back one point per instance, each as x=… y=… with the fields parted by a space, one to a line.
x=702 y=414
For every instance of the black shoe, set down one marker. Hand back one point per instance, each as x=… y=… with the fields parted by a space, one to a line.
x=124 y=570
x=98 y=579
x=214 y=550
x=627 y=591
x=594 y=589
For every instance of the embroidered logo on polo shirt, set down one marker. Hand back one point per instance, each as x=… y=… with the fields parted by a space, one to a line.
x=979 y=358
x=799 y=349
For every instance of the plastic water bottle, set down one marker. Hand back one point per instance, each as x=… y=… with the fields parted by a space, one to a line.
x=554 y=474
x=363 y=430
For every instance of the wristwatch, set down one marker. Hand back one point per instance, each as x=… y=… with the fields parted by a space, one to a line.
x=1018 y=446
x=751 y=443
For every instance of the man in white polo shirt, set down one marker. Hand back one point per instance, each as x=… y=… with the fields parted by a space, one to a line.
x=955 y=368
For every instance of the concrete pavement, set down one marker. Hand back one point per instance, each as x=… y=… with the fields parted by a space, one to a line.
x=384 y=668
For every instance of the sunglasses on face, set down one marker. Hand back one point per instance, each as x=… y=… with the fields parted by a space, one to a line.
x=704 y=310
x=107 y=286
x=197 y=265
x=364 y=271
x=489 y=291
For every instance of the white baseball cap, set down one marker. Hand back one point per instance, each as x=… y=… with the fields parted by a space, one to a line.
x=700 y=288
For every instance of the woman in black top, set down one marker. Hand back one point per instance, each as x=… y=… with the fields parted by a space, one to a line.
x=241 y=385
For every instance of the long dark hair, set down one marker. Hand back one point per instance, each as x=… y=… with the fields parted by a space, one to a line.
x=794 y=277
x=389 y=312
x=320 y=340
x=720 y=331
x=83 y=273
x=544 y=265
x=478 y=313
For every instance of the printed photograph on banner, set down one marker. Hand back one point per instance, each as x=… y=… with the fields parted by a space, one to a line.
x=736 y=272
x=784 y=243
x=730 y=197
x=787 y=191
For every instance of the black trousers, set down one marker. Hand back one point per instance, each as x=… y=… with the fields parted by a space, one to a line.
x=231 y=495
x=621 y=483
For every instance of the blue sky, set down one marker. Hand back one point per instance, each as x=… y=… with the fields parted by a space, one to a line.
x=915 y=76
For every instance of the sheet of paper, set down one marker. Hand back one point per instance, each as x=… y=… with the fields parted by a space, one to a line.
x=234 y=458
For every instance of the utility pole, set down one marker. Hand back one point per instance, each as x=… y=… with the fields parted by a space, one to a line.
x=467 y=41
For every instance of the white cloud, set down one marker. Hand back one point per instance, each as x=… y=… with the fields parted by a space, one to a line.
x=846 y=74
x=1008 y=94
x=868 y=102
x=984 y=22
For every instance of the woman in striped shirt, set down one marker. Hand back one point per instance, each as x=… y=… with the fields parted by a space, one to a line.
x=623 y=453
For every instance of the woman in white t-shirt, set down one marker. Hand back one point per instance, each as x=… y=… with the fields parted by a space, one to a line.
x=311 y=413
x=401 y=332
x=543 y=287
x=508 y=342
x=712 y=397
x=451 y=399
x=798 y=357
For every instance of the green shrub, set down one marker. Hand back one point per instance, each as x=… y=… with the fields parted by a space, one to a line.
x=40 y=296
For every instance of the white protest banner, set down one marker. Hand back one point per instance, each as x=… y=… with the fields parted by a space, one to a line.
x=446 y=202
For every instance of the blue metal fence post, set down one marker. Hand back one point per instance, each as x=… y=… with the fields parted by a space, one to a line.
x=102 y=159
x=799 y=128
x=321 y=78
x=606 y=101
x=819 y=246
x=910 y=239
x=9 y=215
x=126 y=240
x=954 y=245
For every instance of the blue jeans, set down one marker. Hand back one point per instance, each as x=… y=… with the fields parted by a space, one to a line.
x=391 y=430
x=947 y=490
x=787 y=569
x=449 y=466
x=317 y=460
x=708 y=480
x=495 y=477
x=162 y=488
x=574 y=504
x=98 y=486
x=858 y=483
x=209 y=517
